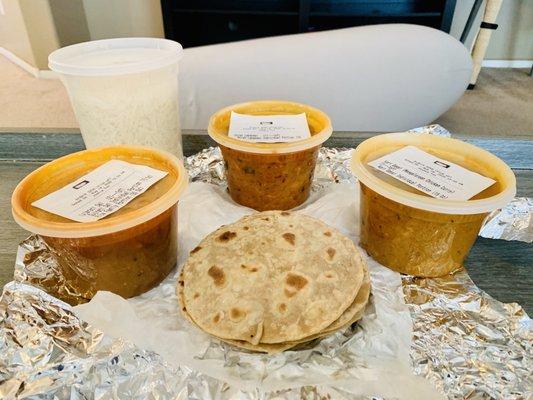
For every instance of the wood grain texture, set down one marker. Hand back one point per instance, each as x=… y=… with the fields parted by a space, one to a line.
x=44 y=147
x=501 y=268
x=10 y=233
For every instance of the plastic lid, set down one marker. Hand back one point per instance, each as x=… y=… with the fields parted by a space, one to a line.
x=453 y=150
x=319 y=125
x=115 y=56
x=58 y=173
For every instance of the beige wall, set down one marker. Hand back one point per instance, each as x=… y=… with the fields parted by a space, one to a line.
x=32 y=29
x=513 y=40
x=13 y=34
x=41 y=30
x=27 y=30
x=70 y=21
x=123 y=18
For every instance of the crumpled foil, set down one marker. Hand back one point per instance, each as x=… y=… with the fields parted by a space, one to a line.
x=466 y=343
x=513 y=222
x=47 y=352
x=434 y=129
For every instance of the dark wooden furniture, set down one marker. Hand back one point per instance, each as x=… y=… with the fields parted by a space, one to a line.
x=202 y=22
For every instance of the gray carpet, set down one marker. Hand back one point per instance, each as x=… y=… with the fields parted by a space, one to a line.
x=501 y=104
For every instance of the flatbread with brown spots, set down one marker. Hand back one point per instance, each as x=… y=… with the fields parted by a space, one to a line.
x=352 y=314
x=271 y=277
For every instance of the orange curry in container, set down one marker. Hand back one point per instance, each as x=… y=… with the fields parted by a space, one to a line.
x=127 y=252
x=270 y=176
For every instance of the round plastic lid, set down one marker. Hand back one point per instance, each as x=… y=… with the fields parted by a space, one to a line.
x=319 y=124
x=115 y=56
x=455 y=151
x=80 y=163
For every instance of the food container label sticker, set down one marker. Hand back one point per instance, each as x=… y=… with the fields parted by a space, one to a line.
x=268 y=128
x=101 y=192
x=432 y=175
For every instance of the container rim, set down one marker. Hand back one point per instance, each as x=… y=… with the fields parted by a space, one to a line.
x=478 y=206
x=61 y=61
x=270 y=148
x=105 y=226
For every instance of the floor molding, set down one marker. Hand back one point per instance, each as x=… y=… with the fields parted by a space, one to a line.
x=36 y=72
x=507 y=63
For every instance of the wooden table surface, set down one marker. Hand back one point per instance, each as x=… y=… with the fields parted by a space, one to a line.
x=504 y=269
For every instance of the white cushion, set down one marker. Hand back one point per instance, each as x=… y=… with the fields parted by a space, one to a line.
x=374 y=78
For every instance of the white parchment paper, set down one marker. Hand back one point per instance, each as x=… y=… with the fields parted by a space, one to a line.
x=371 y=359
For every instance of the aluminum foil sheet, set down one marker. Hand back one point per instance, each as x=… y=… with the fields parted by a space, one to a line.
x=467 y=344
x=434 y=129
x=513 y=222
x=46 y=352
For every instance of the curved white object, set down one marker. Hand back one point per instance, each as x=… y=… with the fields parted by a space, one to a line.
x=374 y=78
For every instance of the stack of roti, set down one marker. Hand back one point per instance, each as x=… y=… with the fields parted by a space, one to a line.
x=272 y=281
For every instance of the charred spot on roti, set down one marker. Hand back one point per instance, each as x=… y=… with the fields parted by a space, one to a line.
x=196 y=295
x=217 y=274
x=266 y=219
x=282 y=307
x=294 y=283
x=327 y=233
x=236 y=314
x=289 y=293
x=329 y=275
x=285 y=213
x=216 y=318
x=246 y=228
x=226 y=236
x=196 y=249
x=290 y=237
x=249 y=268
x=298 y=282
x=331 y=253
x=181 y=282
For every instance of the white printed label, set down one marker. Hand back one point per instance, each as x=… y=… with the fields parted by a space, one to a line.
x=101 y=192
x=268 y=128
x=432 y=175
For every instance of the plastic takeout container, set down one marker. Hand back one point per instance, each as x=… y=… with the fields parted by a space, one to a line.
x=270 y=176
x=128 y=252
x=415 y=234
x=123 y=91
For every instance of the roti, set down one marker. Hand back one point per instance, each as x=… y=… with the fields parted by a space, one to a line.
x=356 y=311
x=271 y=277
x=351 y=315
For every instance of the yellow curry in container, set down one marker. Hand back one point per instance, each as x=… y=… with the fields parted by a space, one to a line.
x=411 y=232
x=127 y=252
